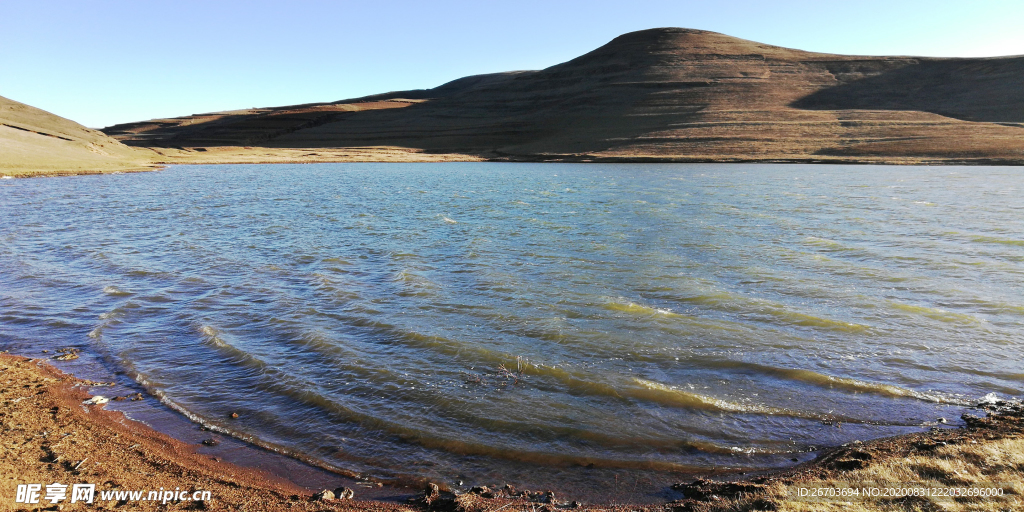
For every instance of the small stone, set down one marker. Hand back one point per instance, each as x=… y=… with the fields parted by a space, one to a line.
x=211 y=442
x=120 y=398
x=67 y=354
x=234 y=415
x=135 y=397
x=344 y=493
x=480 y=489
x=943 y=420
x=576 y=504
x=96 y=400
x=323 y=495
x=432 y=490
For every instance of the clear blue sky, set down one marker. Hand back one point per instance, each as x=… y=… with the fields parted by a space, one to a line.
x=102 y=62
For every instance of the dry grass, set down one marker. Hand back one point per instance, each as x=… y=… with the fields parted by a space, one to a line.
x=997 y=464
x=263 y=155
x=994 y=464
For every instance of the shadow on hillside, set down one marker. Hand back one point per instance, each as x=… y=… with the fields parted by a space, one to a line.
x=989 y=90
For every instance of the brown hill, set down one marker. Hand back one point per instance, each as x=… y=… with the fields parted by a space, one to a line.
x=36 y=142
x=663 y=94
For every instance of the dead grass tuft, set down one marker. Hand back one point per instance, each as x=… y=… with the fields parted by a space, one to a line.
x=995 y=464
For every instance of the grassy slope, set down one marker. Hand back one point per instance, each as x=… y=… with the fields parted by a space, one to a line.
x=36 y=142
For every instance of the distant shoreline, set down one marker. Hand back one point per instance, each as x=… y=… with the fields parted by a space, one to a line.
x=76 y=172
x=269 y=156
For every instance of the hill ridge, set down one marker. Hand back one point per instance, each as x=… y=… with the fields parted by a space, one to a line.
x=34 y=142
x=670 y=94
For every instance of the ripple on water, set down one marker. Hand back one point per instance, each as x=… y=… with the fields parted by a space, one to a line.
x=466 y=320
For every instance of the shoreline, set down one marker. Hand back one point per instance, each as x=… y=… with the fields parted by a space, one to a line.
x=265 y=156
x=54 y=435
x=22 y=174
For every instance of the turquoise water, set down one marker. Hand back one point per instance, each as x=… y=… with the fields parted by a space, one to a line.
x=547 y=325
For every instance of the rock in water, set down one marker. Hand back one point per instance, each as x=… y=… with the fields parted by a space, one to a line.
x=323 y=495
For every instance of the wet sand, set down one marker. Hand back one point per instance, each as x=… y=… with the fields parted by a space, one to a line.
x=51 y=436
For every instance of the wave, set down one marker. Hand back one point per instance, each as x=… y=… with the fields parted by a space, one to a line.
x=638 y=309
x=833 y=382
x=300 y=391
x=997 y=240
x=859 y=386
x=113 y=290
x=937 y=314
x=672 y=395
x=735 y=303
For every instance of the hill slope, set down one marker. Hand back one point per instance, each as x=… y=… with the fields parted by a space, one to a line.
x=36 y=142
x=664 y=94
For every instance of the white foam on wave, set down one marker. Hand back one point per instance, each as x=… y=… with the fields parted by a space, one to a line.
x=990 y=398
x=113 y=290
x=672 y=395
x=638 y=309
x=212 y=337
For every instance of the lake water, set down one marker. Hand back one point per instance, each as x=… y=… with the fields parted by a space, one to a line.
x=547 y=325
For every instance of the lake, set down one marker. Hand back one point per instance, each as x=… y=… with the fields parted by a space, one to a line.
x=555 y=326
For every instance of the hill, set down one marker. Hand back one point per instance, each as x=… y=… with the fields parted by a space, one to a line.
x=36 y=142
x=666 y=94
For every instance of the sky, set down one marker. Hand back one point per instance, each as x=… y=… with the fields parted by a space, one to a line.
x=104 y=62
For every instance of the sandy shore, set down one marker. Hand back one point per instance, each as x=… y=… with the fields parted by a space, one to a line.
x=51 y=434
x=159 y=158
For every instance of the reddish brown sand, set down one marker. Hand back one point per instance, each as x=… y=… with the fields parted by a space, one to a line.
x=50 y=436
